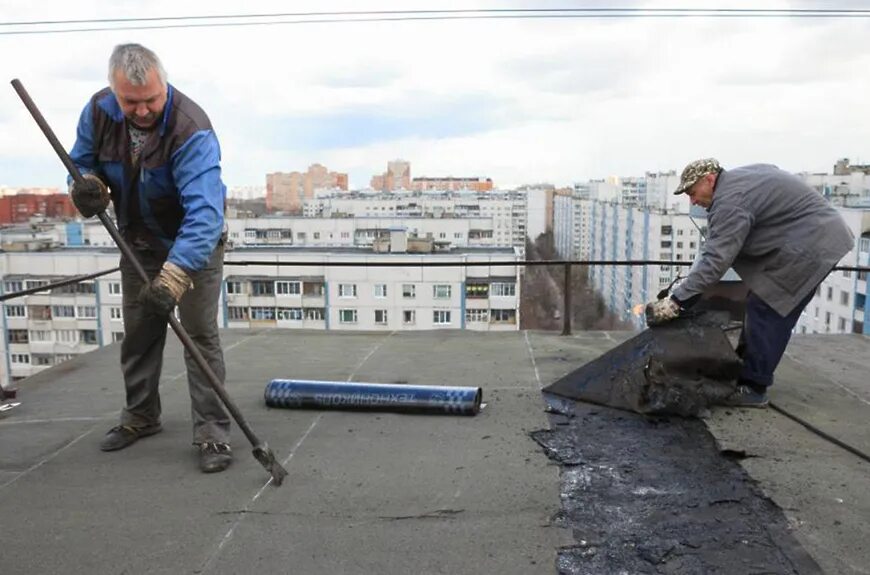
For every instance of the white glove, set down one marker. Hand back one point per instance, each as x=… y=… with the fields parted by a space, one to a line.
x=662 y=311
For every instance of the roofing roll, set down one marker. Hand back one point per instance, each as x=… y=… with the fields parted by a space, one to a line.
x=436 y=399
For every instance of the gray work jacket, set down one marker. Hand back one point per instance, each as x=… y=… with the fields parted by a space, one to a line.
x=779 y=234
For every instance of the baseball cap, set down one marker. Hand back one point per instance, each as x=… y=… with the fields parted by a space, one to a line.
x=695 y=171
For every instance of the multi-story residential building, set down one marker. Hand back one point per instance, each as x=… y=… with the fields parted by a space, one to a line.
x=618 y=232
x=848 y=185
x=23 y=206
x=360 y=231
x=506 y=209
x=571 y=224
x=286 y=191
x=839 y=305
x=397 y=177
x=451 y=184
x=45 y=329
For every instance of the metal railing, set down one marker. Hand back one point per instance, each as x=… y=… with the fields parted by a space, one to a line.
x=565 y=264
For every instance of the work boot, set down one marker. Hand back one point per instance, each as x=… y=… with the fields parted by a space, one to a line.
x=124 y=435
x=747 y=396
x=214 y=457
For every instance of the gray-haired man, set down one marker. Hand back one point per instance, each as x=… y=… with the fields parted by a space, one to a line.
x=781 y=236
x=156 y=151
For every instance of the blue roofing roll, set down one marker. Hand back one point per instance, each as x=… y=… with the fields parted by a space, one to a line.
x=299 y=393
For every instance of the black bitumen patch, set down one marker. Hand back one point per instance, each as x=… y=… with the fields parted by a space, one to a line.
x=646 y=494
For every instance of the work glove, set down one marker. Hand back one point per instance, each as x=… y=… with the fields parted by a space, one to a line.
x=91 y=197
x=161 y=295
x=662 y=311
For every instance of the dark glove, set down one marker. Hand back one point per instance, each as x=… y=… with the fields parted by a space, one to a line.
x=161 y=295
x=662 y=311
x=90 y=197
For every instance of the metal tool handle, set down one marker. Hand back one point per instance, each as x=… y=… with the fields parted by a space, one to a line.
x=261 y=449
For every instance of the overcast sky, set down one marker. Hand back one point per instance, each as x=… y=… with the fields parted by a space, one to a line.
x=520 y=101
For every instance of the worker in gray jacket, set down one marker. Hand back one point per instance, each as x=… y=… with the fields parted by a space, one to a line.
x=781 y=236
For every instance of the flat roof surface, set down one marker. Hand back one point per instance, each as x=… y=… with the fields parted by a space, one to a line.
x=374 y=492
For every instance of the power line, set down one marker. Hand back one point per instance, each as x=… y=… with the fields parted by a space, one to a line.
x=296 y=18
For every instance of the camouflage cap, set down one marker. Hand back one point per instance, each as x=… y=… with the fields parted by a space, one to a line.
x=695 y=171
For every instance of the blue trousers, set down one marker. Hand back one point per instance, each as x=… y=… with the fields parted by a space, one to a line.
x=763 y=339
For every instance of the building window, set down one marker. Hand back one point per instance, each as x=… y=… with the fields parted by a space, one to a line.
x=41 y=359
x=66 y=336
x=115 y=288
x=844 y=298
x=234 y=287
x=504 y=316
x=88 y=336
x=381 y=316
x=409 y=291
x=262 y=287
x=314 y=313
x=288 y=288
x=666 y=244
x=12 y=286
x=63 y=311
x=841 y=325
x=17 y=336
x=117 y=336
x=347 y=290
x=115 y=313
x=409 y=316
x=40 y=335
x=312 y=289
x=16 y=311
x=441 y=291
x=19 y=357
x=262 y=313
x=477 y=290
x=290 y=313
x=476 y=315
x=441 y=317
x=300 y=236
x=347 y=316
x=86 y=312
x=380 y=290
x=316 y=235
x=237 y=313
x=504 y=289
x=39 y=312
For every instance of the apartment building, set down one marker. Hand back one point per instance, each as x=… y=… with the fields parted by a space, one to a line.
x=45 y=329
x=359 y=231
x=285 y=191
x=611 y=231
x=451 y=184
x=839 y=305
x=507 y=210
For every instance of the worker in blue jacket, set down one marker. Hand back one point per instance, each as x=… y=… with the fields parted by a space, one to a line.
x=152 y=151
x=781 y=236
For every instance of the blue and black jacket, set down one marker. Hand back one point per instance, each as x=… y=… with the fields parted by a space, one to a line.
x=173 y=198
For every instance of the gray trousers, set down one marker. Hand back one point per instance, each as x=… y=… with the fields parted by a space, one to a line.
x=145 y=337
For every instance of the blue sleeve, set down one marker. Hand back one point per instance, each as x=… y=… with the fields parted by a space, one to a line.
x=83 y=154
x=197 y=173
